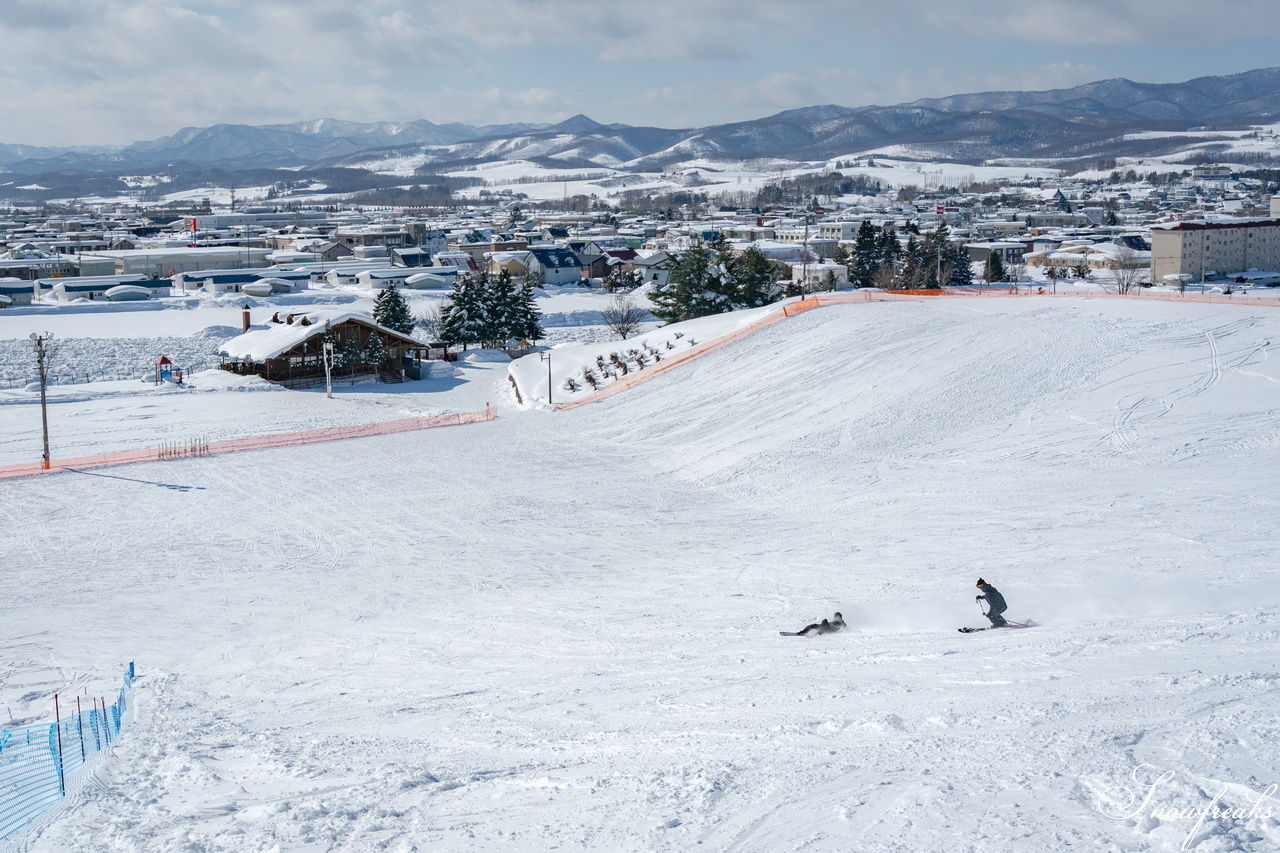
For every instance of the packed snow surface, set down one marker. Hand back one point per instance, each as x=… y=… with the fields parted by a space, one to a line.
x=559 y=630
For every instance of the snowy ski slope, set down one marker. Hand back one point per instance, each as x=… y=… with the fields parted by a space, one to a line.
x=559 y=630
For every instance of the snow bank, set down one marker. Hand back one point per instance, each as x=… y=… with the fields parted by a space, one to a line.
x=612 y=360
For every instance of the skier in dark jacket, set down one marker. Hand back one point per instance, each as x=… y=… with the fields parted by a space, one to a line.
x=825 y=627
x=995 y=603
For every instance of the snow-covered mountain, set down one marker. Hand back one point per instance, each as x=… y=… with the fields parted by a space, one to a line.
x=1048 y=124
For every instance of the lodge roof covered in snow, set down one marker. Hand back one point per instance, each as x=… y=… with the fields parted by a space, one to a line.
x=259 y=345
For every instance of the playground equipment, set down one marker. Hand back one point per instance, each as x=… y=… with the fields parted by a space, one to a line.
x=166 y=371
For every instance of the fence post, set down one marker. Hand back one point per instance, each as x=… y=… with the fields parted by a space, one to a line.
x=80 y=728
x=57 y=716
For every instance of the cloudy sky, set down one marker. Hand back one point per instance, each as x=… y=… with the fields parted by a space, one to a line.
x=86 y=72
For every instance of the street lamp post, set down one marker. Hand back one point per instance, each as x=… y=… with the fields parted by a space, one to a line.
x=328 y=379
x=44 y=352
x=546 y=356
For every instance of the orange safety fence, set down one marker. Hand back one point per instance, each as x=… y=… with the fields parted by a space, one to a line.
x=257 y=442
x=1141 y=295
x=803 y=305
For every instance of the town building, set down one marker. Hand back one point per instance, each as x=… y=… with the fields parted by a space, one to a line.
x=1214 y=248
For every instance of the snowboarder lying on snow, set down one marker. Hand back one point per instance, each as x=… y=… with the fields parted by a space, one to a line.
x=995 y=603
x=825 y=627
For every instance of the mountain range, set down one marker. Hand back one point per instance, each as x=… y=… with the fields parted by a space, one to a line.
x=1094 y=119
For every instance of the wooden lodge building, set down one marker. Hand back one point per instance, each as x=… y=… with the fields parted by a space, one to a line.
x=290 y=350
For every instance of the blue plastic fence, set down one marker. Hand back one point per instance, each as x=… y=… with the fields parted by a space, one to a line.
x=41 y=765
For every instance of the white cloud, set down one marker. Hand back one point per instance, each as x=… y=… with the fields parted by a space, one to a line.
x=1099 y=22
x=707 y=102
x=119 y=70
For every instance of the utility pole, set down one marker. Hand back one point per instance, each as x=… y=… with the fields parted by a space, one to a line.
x=546 y=356
x=804 y=285
x=938 y=241
x=44 y=354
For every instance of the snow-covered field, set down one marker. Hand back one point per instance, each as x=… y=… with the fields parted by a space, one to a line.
x=894 y=167
x=559 y=630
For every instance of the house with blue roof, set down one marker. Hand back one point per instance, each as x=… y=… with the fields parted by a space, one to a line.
x=232 y=281
x=556 y=265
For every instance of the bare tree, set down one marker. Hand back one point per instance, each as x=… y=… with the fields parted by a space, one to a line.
x=944 y=273
x=885 y=277
x=427 y=320
x=1014 y=271
x=1053 y=273
x=623 y=317
x=1127 y=272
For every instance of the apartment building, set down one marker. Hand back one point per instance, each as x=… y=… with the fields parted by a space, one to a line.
x=1214 y=248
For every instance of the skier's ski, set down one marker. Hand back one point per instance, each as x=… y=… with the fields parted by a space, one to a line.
x=992 y=627
x=791 y=633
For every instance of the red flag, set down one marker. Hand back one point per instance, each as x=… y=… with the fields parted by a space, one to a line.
x=172 y=272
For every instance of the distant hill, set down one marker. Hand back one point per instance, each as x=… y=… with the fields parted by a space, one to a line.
x=1096 y=119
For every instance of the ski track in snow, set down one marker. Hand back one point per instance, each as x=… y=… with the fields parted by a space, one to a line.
x=558 y=630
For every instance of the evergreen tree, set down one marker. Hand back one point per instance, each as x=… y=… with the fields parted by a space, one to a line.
x=328 y=339
x=458 y=319
x=501 y=302
x=453 y=323
x=957 y=258
x=528 y=317
x=889 y=247
x=352 y=355
x=755 y=284
x=466 y=320
x=930 y=258
x=937 y=249
x=912 y=273
x=391 y=311
x=688 y=291
x=374 y=351
x=866 y=255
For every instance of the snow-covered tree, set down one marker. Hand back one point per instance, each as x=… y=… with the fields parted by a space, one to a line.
x=375 y=352
x=352 y=355
x=501 y=301
x=328 y=338
x=463 y=321
x=528 y=318
x=390 y=310
x=687 y=293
